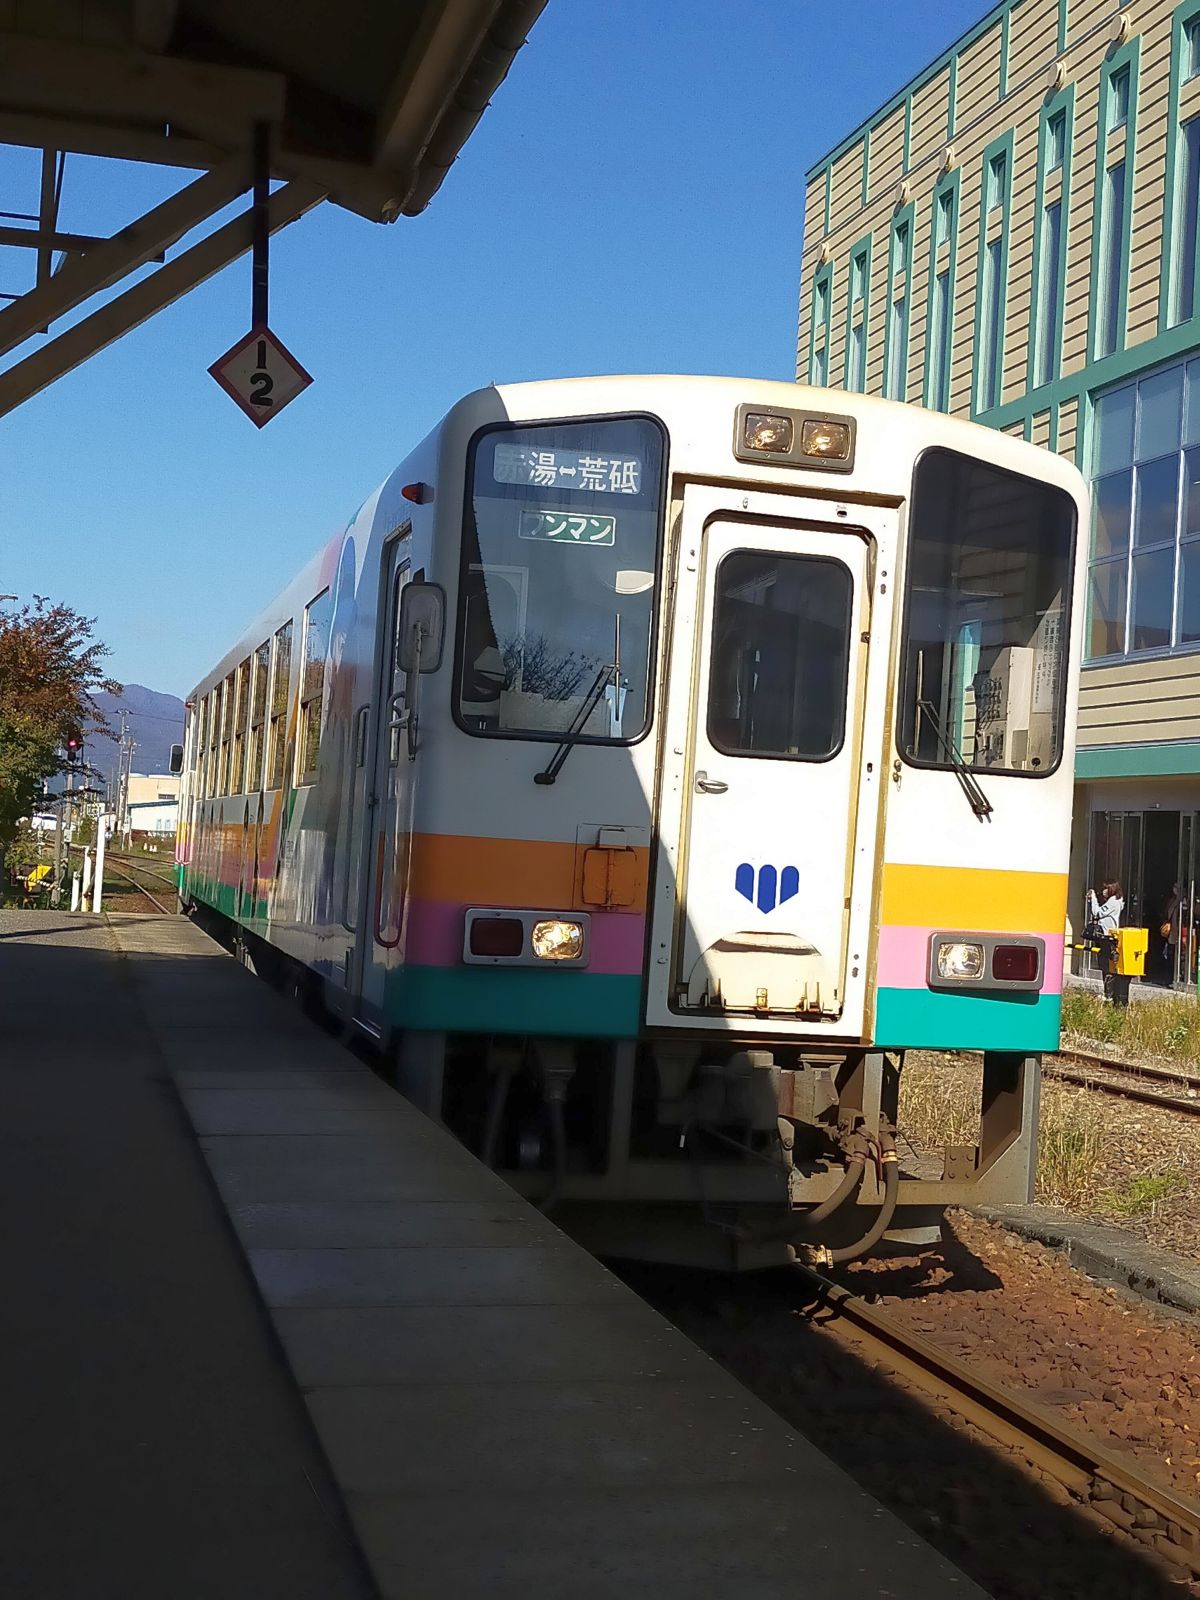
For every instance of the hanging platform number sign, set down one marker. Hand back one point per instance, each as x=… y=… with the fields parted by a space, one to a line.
x=261 y=374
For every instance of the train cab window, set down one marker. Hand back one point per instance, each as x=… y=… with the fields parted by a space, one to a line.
x=280 y=685
x=987 y=618
x=317 y=617
x=559 y=580
x=260 y=667
x=780 y=655
x=237 y=780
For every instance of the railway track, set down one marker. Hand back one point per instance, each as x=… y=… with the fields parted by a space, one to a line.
x=1122 y=1078
x=141 y=888
x=1166 y=1523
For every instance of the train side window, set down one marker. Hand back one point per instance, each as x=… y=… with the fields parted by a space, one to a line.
x=318 y=614
x=260 y=673
x=280 y=686
x=987 y=618
x=237 y=782
x=780 y=656
x=212 y=778
x=228 y=702
x=198 y=749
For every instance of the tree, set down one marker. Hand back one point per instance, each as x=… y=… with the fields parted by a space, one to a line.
x=49 y=667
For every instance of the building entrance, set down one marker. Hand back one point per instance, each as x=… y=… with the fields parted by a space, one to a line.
x=1152 y=854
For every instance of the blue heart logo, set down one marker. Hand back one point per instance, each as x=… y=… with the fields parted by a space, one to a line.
x=767 y=888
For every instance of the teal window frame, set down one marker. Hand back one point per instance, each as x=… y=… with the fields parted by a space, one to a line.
x=903 y=238
x=1184 y=18
x=822 y=294
x=1127 y=57
x=1060 y=106
x=860 y=264
x=988 y=385
x=947 y=187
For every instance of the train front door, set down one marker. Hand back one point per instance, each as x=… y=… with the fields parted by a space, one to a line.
x=768 y=776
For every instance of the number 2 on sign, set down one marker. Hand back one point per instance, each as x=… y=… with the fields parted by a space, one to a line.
x=261 y=382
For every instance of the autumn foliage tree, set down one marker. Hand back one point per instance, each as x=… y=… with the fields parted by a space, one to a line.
x=49 y=667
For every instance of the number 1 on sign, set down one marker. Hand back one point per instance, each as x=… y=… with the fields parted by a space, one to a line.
x=261 y=381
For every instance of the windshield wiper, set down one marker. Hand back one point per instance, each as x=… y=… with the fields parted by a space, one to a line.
x=979 y=802
x=610 y=673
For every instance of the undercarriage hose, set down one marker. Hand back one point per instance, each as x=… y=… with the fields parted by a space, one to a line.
x=883 y=1217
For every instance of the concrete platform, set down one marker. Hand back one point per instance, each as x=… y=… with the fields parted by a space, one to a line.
x=502 y=1417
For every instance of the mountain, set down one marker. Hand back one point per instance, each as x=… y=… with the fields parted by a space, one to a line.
x=155 y=721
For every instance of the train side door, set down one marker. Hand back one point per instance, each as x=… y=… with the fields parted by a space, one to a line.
x=762 y=789
x=387 y=824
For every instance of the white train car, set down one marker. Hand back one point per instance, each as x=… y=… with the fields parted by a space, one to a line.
x=647 y=765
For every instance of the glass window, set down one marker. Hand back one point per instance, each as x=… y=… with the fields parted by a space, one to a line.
x=943 y=218
x=897 y=350
x=856 y=374
x=1114 y=428
x=1191 y=48
x=990 y=326
x=1049 y=287
x=261 y=668
x=1189 y=594
x=559 y=580
x=1106 y=608
x=1160 y=413
x=856 y=348
x=987 y=606
x=1157 y=496
x=1118 y=100
x=996 y=173
x=1150 y=610
x=318 y=614
x=227 y=717
x=1112 y=226
x=1146 y=516
x=1187 y=197
x=238 y=771
x=1056 y=141
x=939 y=344
x=780 y=654
x=1112 y=502
x=280 y=689
x=819 y=373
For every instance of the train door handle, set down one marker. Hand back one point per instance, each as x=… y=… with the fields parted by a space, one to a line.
x=707 y=785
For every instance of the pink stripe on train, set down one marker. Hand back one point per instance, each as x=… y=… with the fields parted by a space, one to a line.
x=904 y=958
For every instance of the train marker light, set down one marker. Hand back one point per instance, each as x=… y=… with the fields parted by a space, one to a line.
x=960 y=962
x=763 y=431
x=555 y=939
x=496 y=936
x=830 y=440
x=1016 y=963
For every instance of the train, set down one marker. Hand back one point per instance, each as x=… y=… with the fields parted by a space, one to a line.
x=646 y=766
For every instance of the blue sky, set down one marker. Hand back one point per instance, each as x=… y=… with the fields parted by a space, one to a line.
x=631 y=202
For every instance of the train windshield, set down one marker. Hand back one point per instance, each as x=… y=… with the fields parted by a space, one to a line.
x=559 y=580
x=987 y=621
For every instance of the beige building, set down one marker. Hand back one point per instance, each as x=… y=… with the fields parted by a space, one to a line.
x=1013 y=237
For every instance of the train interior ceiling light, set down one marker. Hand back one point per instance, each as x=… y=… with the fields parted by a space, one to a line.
x=367 y=106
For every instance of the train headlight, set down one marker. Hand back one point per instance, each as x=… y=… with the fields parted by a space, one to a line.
x=959 y=961
x=762 y=430
x=828 y=441
x=556 y=939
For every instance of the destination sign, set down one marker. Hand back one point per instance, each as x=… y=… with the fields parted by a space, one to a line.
x=572 y=470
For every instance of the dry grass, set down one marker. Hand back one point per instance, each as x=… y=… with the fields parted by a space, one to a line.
x=939 y=1105
x=1168 y=1029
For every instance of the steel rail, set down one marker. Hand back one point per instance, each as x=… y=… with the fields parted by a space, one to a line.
x=1140 y=1069
x=141 y=889
x=1088 y=1078
x=1166 y=1522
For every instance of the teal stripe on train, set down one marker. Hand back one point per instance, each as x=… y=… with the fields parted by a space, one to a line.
x=514 y=1000
x=925 y=1019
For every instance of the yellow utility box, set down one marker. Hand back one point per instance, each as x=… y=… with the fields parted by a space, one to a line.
x=1132 y=944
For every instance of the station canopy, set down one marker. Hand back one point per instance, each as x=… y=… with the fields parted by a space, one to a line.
x=365 y=103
